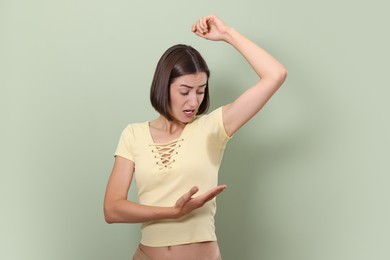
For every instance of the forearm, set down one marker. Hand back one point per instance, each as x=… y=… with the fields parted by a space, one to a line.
x=265 y=66
x=124 y=211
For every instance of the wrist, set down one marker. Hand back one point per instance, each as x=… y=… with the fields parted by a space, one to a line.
x=174 y=212
x=230 y=34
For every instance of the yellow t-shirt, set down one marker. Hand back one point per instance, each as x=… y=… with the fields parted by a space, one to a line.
x=164 y=172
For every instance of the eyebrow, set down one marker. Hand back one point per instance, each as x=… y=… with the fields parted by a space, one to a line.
x=187 y=86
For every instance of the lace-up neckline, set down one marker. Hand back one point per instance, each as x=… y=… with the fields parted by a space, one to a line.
x=165 y=153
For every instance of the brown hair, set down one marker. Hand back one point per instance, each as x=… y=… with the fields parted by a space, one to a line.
x=178 y=60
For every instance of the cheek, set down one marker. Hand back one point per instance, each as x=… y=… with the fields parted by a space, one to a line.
x=200 y=99
x=177 y=100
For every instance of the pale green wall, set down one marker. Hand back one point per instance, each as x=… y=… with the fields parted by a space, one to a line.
x=308 y=177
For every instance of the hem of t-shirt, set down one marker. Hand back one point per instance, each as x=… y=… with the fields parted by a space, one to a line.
x=124 y=156
x=177 y=242
x=228 y=137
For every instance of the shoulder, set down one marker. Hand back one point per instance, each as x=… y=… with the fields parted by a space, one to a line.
x=136 y=127
x=212 y=125
x=213 y=116
x=133 y=130
x=212 y=121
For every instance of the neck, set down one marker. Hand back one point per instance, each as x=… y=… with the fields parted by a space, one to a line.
x=163 y=124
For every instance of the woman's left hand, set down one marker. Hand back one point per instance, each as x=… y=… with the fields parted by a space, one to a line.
x=211 y=28
x=186 y=203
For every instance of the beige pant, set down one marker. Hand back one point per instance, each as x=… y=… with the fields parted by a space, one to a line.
x=140 y=255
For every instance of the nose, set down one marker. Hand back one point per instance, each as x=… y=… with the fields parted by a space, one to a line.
x=193 y=101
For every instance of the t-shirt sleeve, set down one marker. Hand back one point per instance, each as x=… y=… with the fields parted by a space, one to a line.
x=223 y=133
x=214 y=121
x=124 y=148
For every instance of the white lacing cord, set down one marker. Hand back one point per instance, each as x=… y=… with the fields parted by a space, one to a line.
x=164 y=154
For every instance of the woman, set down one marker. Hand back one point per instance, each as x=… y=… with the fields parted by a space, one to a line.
x=177 y=156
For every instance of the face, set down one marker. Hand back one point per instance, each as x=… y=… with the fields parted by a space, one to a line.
x=187 y=93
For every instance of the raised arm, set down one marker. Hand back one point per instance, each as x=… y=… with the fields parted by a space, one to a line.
x=118 y=209
x=271 y=73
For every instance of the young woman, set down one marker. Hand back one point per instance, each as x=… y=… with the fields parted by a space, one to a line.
x=175 y=158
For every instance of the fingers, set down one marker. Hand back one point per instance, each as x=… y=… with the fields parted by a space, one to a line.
x=193 y=190
x=190 y=193
x=211 y=28
x=209 y=195
x=202 y=26
x=186 y=203
x=217 y=190
x=187 y=196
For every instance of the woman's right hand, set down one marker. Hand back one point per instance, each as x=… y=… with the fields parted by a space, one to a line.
x=186 y=203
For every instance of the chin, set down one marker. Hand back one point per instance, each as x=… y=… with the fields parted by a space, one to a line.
x=184 y=119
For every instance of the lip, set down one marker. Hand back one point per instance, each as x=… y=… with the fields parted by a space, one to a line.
x=189 y=113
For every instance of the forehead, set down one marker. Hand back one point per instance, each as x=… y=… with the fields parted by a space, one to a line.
x=193 y=80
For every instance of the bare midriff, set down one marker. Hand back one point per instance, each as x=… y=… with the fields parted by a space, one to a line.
x=199 y=251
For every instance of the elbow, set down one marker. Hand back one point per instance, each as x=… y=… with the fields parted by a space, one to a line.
x=108 y=220
x=281 y=76
x=109 y=215
x=276 y=78
x=284 y=73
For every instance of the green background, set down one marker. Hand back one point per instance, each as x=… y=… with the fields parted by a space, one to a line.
x=308 y=177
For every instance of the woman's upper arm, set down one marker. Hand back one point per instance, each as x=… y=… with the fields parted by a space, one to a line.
x=240 y=111
x=120 y=180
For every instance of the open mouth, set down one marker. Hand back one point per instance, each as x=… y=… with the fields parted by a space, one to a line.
x=189 y=112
